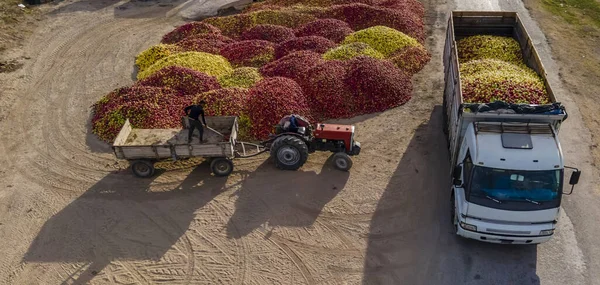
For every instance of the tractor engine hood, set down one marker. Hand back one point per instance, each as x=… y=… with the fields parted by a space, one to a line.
x=333 y=131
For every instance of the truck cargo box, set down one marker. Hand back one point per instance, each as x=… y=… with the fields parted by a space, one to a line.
x=458 y=114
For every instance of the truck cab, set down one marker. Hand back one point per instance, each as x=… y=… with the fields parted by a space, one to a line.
x=508 y=183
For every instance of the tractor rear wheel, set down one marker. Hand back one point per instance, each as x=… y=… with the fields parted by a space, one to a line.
x=342 y=161
x=289 y=152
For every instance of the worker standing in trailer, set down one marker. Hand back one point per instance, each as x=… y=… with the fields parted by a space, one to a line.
x=194 y=112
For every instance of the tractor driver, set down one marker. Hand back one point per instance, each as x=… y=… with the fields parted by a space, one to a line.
x=193 y=112
x=293 y=124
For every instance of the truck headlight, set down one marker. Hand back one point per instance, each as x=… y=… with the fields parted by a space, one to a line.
x=547 y=232
x=468 y=226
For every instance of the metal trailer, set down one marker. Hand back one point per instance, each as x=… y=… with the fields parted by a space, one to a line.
x=456 y=118
x=144 y=147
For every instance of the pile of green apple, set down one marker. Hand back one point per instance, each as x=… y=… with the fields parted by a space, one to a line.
x=492 y=69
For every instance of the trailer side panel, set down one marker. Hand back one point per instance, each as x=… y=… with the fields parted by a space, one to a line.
x=159 y=144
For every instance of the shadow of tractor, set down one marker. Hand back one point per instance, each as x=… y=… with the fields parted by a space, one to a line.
x=286 y=199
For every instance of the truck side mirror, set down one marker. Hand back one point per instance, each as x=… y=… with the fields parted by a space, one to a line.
x=574 y=179
x=456 y=175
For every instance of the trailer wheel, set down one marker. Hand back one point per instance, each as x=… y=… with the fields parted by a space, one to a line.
x=221 y=166
x=142 y=168
x=342 y=161
x=289 y=152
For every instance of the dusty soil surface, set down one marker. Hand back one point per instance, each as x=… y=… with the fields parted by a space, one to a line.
x=71 y=214
x=576 y=49
x=16 y=23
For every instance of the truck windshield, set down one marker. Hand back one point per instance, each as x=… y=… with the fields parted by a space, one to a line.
x=525 y=190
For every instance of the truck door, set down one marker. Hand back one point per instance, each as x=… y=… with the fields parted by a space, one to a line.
x=462 y=192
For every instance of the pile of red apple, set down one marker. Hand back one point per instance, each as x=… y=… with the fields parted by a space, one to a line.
x=286 y=40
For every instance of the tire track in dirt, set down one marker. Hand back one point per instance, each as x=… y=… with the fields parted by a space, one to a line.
x=47 y=78
x=260 y=245
x=65 y=154
x=241 y=250
x=67 y=167
x=336 y=231
x=101 y=53
x=21 y=134
x=300 y=242
x=295 y=258
x=236 y=258
x=130 y=269
x=188 y=252
x=100 y=31
x=57 y=158
x=208 y=255
x=126 y=266
x=304 y=247
x=291 y=247
x=64 y=162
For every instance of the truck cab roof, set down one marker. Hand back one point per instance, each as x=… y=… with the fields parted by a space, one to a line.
x=514 y=149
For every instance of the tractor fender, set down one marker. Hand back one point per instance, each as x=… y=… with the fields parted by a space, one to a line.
x=267 y=143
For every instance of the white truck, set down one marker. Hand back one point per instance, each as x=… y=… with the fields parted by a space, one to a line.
x=507 y=163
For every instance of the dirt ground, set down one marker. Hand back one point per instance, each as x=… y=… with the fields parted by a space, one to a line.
x=79 y=217
x=577 y=47
x=71 y=214
x=16 y=23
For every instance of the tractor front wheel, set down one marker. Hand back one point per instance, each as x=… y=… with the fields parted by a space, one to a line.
x=342 y=161
x=289 y=152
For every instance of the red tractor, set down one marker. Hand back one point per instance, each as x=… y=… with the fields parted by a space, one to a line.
x=295 y=138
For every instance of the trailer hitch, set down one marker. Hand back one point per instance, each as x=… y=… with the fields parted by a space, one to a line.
x=255 y=149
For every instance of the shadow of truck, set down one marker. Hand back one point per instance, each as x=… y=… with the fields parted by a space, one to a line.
x=411 y=239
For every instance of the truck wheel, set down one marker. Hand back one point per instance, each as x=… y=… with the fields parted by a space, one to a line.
x=289 y=152
x=453 y=216
x=342 y=161
x=142 y=168
x=221 y=166
x=445 y=116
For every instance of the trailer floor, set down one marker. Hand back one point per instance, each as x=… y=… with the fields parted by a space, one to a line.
x=71 y=214
x=139 y=137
